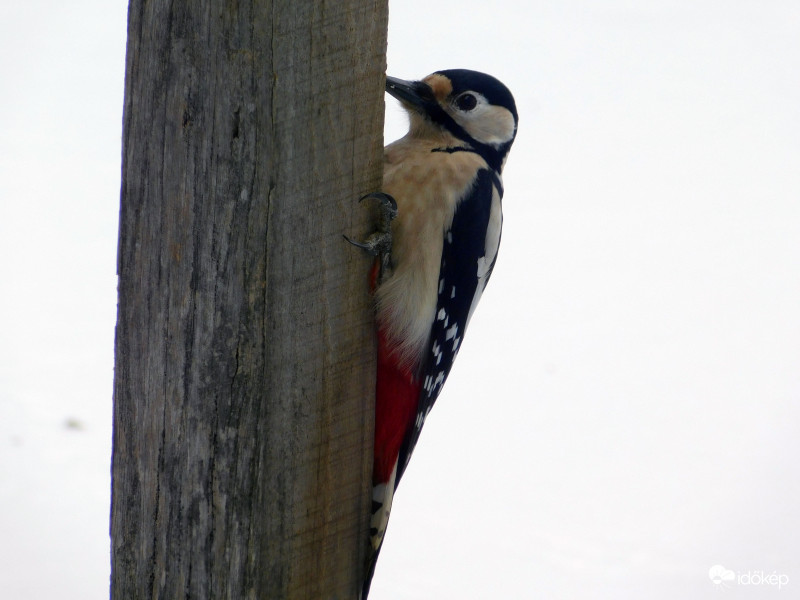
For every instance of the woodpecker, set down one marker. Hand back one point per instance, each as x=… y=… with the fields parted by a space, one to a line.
x=436 y=244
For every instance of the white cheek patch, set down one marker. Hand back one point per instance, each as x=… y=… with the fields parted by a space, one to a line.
x=492 y=125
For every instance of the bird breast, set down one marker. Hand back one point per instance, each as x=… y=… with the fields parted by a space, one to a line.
x=427 y=186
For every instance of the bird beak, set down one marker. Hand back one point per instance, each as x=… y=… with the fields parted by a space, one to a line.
x=416 y=94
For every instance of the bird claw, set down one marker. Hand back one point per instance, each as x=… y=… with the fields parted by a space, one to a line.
x=388 y=204
x=379 y=243
x=371 y=245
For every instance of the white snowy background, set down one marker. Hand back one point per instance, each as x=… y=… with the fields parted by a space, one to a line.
x=625 y=411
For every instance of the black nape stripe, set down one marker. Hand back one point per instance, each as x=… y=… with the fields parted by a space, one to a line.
x=452 y=149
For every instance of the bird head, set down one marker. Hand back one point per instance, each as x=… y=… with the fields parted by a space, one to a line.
x=475 y=108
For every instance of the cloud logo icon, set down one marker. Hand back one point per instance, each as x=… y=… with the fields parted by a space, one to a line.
x=719 y=575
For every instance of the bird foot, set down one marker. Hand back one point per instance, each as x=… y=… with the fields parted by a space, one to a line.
x=379 y=243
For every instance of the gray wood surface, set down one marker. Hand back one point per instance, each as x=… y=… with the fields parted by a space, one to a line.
x=244 y=379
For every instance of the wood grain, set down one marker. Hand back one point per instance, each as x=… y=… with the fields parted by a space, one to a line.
x=244 y=379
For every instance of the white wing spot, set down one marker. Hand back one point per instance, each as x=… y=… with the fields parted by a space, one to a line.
x=442 y=315
x=452 y=292
x=437 y=352
x=483 y=267
x=451 y=333
x=439 y=379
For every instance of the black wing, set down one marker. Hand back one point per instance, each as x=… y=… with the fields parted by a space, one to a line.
x=464 y=245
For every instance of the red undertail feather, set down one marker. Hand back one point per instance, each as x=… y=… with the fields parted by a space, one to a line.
x=396 y=398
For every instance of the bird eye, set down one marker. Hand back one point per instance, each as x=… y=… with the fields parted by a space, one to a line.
x=466 y=102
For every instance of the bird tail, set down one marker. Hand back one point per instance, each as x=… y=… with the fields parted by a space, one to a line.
x=382 y=496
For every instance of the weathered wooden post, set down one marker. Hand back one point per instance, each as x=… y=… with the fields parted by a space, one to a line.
x=244 y=354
